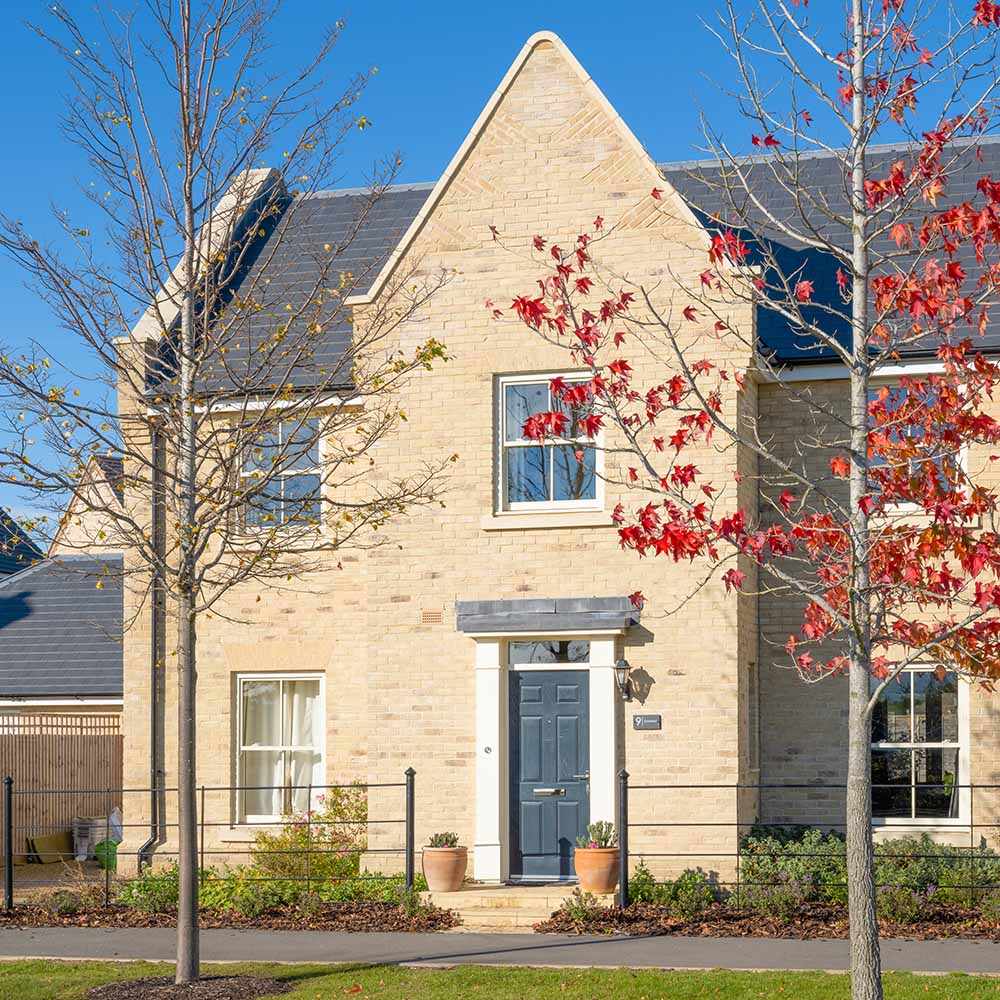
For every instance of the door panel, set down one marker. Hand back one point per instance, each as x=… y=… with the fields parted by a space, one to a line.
x=550 y=757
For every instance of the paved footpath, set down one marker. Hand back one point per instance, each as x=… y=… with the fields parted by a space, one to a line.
x=495 y=949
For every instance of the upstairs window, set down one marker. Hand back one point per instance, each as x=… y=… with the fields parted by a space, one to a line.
x=285 y=460
x=559 y=474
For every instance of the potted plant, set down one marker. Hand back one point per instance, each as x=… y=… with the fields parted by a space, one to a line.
x=445 y=863
x=597 y=858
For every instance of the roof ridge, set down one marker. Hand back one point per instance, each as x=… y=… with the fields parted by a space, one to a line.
x=817 y=154
x=346 y=192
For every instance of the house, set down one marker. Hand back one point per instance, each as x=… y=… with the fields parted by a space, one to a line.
x=480 y=647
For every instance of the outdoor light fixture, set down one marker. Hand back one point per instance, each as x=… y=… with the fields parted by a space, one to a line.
x=622 y=678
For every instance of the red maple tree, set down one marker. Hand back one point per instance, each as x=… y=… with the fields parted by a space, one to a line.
x=884 y=530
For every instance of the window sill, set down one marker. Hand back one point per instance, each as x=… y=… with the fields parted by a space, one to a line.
x=245 y=834
x=546 y=519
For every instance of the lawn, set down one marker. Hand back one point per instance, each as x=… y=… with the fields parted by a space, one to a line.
x=70 y=980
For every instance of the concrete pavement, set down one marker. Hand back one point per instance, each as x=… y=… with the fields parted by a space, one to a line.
x=495 y=949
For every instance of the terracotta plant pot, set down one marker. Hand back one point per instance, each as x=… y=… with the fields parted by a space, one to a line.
x=444 y=868
x=597 y=868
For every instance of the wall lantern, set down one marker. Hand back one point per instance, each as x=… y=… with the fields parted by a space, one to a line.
x=622 y=678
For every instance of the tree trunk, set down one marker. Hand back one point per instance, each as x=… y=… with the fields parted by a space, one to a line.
x=866 y=963
x=188 y=956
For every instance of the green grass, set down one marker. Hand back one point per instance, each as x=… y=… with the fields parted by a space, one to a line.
x=71 y=980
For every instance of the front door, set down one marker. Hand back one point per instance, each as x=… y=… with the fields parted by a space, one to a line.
x=549 y=770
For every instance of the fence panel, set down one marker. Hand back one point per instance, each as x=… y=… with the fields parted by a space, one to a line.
x=46 y=753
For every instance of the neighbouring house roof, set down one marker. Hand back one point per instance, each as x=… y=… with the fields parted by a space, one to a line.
x=17 y=550
x=822 y=182
x=562 y=614
x=60 y=633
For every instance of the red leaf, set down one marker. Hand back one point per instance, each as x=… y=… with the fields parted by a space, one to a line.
x=786 y=499
x=689 y=313
x=840 y=467
x=599 y=223
x=495 y=232
x=539 y=243
x=867 y=505
x=770 y=141
x=807 y=118
x=803 y=291
x=656 y=193
x=637 y=600
x=707 y=277
x=733 y=579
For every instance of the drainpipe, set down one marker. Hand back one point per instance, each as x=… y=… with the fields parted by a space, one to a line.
x=145 y=852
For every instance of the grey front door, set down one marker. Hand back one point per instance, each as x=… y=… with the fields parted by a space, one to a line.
x=549 y=762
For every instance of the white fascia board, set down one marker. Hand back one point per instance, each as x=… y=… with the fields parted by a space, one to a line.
x=834 y=371
x=260 y=405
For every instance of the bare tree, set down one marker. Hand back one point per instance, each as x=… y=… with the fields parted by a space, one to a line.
x=223 y=365
x=868 y=522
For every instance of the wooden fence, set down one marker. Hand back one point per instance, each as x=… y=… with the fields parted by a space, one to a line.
x=78 y=756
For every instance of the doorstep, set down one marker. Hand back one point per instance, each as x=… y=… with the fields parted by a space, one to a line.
x=506 y=908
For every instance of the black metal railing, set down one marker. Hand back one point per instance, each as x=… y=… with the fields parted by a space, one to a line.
x=974 y=856
x=224 y=839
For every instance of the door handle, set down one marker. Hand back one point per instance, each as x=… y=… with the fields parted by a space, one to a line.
x=582 y=777
x=550 y=791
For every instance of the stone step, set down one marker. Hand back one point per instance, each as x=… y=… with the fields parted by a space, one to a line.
x=533 y=899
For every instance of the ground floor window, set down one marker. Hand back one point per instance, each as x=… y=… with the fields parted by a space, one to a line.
x=280 y=747
x=917 y=743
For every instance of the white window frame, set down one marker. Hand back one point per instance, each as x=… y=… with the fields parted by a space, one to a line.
x=288 y=527
x=502 y=446
x=963 y=455
x=280 y=675
x=964 y=757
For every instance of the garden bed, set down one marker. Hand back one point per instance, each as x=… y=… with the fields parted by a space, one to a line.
x=362 y=915
x=813 y=920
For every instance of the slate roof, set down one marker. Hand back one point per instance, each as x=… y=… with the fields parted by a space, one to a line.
x=17 y=550
x=60 y=636
x=822 y=178
x=287 y=265
x=290 y=257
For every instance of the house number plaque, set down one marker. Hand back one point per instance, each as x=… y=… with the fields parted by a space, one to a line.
x=647 y=722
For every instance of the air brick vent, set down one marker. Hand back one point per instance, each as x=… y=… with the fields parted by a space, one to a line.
x=431 y=616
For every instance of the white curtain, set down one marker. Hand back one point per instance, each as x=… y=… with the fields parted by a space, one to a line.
x=281 y=745
x=302 y=728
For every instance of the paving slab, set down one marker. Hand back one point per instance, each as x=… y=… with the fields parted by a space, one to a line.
x=982 y=957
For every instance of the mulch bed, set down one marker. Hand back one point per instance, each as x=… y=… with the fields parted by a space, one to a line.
x=815 y=920
x=209 y=988
x=358 y=916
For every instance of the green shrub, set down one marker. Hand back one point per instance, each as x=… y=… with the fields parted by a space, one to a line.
x=154 y=890
x=811 y=860
x=685 y=897
x=901 y=904
x=581 y=906
x=922 y=864
x=443 y=840
x=322 y=843
x=690 y=893
x=781 y=899
x=64 y=903
x=643 y=888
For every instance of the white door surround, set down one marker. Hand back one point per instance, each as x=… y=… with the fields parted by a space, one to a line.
x=491 y=862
